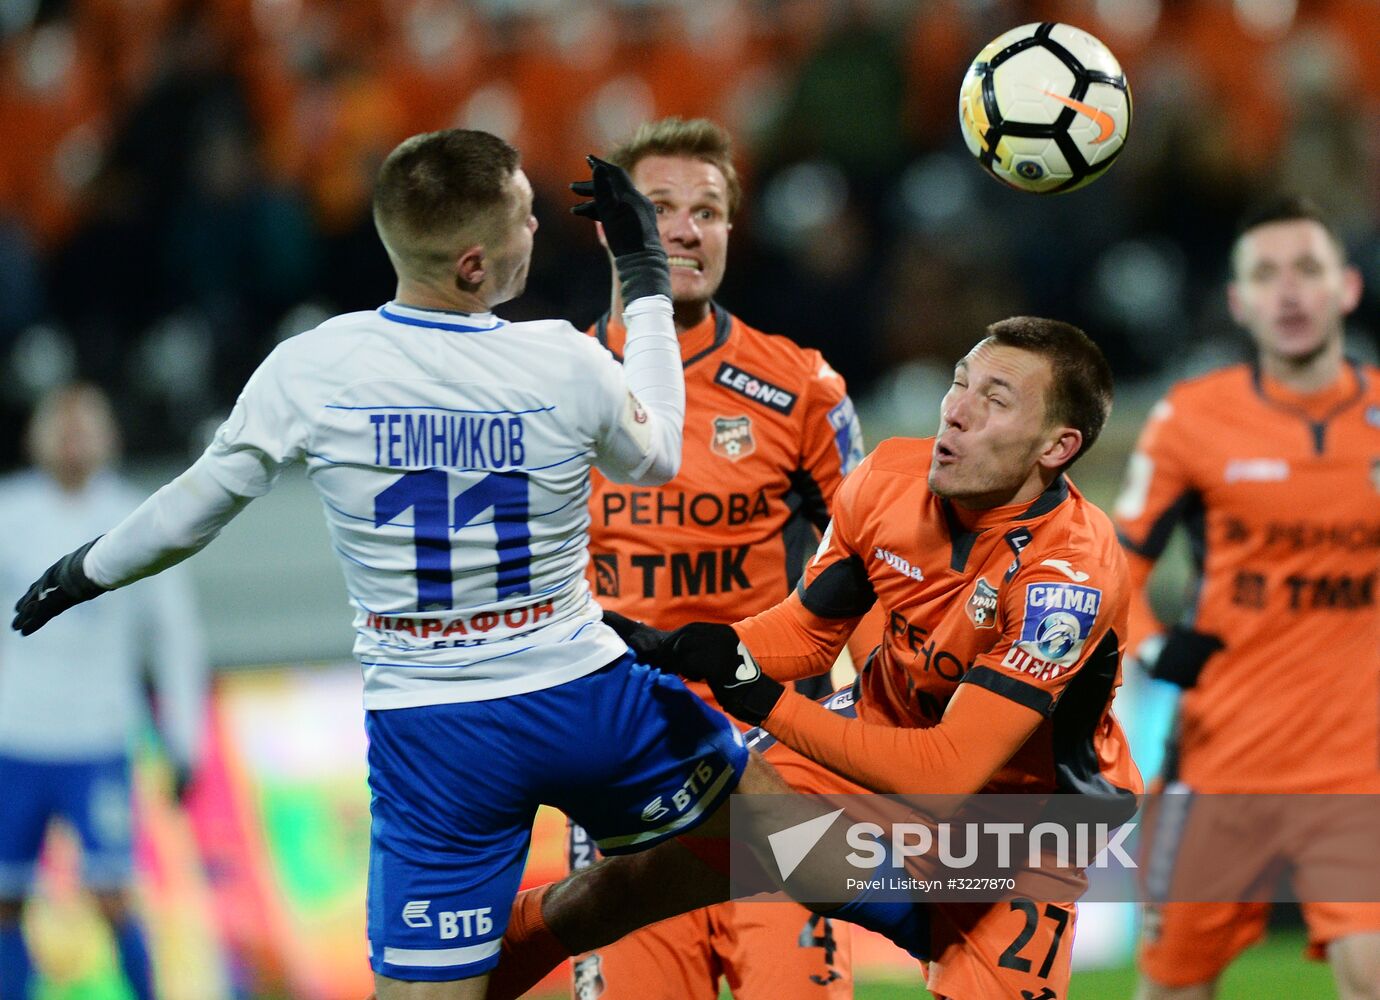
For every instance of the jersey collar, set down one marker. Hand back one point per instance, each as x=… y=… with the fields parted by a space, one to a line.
x=719 y=317
x=440 y=319
x=1314 y=410
x=963 y=536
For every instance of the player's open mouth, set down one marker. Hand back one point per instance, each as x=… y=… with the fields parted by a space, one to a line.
x=944 y=453
x=689 y=262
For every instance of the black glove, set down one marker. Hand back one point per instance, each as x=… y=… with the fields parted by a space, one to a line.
x=629 y=221
x=64 y=585
x=704 y=651
x=642 y=639
x=1183 y=655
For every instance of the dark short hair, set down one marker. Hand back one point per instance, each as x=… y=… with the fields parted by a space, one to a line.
x=437 y=184
x=1289 y=207
x=1080 y=393
x=696 y=138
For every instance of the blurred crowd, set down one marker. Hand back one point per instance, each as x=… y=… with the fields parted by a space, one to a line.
x=185 y=182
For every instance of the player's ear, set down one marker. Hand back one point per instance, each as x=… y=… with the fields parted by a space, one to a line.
x=1351 y=288
x=1234 y=304
x=1060 y=447
x=471 y=267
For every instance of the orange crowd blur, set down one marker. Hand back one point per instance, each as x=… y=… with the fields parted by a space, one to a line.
x=333 y=86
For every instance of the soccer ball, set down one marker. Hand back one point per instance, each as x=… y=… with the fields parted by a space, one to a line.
x=1045 y=108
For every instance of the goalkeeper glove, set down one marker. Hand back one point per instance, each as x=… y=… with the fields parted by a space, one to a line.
x=641 y=638
x=1181 y=659
x=704 y=651
x=64 y=585
x=629 y=221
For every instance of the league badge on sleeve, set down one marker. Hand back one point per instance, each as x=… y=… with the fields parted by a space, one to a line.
x=1058 y=619
x=847 y=434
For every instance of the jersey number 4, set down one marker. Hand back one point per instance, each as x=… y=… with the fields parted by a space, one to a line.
x=434 y=517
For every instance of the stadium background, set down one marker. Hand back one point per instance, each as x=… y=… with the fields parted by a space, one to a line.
x=183 y=184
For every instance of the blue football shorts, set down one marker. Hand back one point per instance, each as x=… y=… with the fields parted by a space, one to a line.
x=627 y=751
x=92 y=796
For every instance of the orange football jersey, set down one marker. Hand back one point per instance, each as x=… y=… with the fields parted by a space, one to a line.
x=769 y=434
x=1027 y=601
x=1280 y=494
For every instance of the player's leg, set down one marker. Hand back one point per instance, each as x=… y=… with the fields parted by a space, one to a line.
x=387 y=988
x=1355 y=961
x=1335 y=851
x=1185 y=947
x=600 y=904
x=782 y=951
x=1009 y=949
x=22 y=824
x=452 y=805
x=98 y=802
x=670 y=960
x=1348 y=935
x=591 y=908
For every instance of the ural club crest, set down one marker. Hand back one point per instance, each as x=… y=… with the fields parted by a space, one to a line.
x=982 y=606
x=732 y=437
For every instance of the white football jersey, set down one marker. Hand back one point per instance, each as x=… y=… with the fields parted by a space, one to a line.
x=452 y=455
x=74 y=689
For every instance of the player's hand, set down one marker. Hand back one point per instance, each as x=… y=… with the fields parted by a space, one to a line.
x=64 y=585
x=704 y=651
x=629 y=221
x=628 y=217
x=1181 y=659
x=642 y=639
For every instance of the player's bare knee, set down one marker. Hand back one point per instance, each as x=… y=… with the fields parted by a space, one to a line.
x=1355 y=961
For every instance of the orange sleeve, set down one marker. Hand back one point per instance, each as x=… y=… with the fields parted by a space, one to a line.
x=1144 y=623
x=980 y=731
x=1159 y=489
x=831 y=442
x=832 y=446
x=803 y=635
x=789 y=643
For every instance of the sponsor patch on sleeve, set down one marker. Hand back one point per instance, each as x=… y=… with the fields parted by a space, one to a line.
x=843 y=418
x=1058 y=619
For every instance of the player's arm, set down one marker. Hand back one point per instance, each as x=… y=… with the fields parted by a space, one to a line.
x=1158 y=494
x=980 y=731
x=642 y=442
x=1052 y=630
x=261 y=436
x=831 y=441
x=800 y=637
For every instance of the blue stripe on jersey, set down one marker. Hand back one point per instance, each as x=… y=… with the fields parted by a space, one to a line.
x=354 y=517
x=455 y=666
x=436 y=324
x=405 y=524
x=451 y=468
x=443 y=409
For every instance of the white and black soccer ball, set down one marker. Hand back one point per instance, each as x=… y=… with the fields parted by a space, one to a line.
x=1045 y=108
